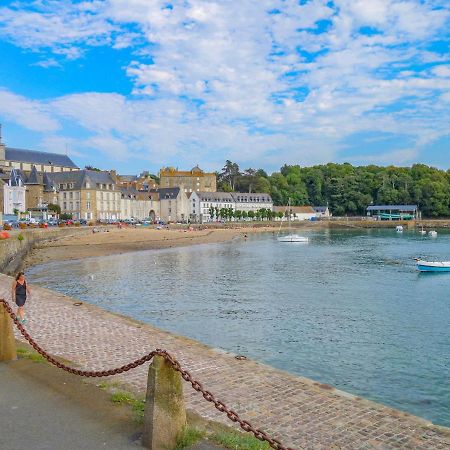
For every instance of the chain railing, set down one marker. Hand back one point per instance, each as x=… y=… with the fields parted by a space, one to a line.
x=197 y=386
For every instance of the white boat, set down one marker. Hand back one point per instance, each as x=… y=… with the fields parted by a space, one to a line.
x=432 y=233
x=399 y=229
x=433 y=266
x=291 y=237
x=422 y=232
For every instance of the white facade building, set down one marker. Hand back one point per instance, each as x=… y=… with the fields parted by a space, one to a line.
x=14 y=193
x=251 y=202
x=200 y=204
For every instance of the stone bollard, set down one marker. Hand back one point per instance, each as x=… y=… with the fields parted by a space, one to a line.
x=7 y=341
x=165 y=414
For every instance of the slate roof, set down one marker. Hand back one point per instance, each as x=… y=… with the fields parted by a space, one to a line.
x=80 y=177
x=35 y=157
x=215 y=196
x=320 y=209
x=244 y=197
x=168 y=193
x=33 y=178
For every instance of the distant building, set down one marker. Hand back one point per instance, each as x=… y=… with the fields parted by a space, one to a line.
x=23 y=159
x=174 y=206
x=14 y=194
x=393 y=212
x=322 y=212
x=296 y=212
x=252 y=201
x=200 y=203
x=194 y=180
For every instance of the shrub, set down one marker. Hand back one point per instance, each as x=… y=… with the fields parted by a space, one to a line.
x=20 y=237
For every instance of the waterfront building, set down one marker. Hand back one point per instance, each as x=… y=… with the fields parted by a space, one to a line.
x=194 y=180
x=393 y=212
x=142 y=182
x=14 y=193
x=322 y=212
x=24 y=159
x=174 y=206
x=87 y=194
x=252 y=201
x=200 y=204
x=138 y=205
x=296 y=212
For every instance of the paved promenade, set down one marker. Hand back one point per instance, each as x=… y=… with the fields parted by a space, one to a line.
x=301 y=413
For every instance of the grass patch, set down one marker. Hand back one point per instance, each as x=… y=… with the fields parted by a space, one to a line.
x=27 y=354
x=189 y=437
x=238 y=441
x=124 y=398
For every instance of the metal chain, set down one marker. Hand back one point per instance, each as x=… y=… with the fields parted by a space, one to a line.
x=208 y=396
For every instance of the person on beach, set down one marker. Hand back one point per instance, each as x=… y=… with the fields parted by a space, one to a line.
x=19 y=294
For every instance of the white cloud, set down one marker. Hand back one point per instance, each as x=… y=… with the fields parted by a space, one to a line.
x=231 y=78
x=30 y=114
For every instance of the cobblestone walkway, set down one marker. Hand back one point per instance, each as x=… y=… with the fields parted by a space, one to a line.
x=301 y=413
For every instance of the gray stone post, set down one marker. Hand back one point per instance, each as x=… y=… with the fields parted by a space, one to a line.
x=165 y=413
x=7 y=341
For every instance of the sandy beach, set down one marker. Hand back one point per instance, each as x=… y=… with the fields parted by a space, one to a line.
x=112 y=241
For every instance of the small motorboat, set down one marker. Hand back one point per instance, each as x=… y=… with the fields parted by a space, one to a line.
x=293 y=238
x=399 y=229
x=433 y=266
x=432 y=233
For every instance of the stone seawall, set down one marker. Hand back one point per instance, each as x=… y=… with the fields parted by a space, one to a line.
x=13 y=250
x=302 y=413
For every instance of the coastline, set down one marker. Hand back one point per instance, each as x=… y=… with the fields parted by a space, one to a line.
x=320 y=416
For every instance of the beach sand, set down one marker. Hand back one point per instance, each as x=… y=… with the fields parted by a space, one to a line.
x=112 y=241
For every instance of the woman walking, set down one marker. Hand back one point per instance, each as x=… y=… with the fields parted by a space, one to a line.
x=19 y=295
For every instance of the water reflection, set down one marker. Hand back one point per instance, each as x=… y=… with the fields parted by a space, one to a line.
x=348 y=309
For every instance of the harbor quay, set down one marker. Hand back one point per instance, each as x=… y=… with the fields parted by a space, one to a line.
x=301 y=413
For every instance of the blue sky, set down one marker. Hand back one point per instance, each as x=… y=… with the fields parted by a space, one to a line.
x=136 y=85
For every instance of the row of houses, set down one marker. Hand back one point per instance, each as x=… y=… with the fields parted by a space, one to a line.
x=34 y=181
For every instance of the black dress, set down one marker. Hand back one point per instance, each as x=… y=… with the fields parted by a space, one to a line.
x=21 y=293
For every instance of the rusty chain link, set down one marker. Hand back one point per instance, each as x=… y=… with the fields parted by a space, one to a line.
x=196 y=385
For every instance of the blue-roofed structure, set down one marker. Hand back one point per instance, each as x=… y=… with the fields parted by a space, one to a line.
x=393 y=212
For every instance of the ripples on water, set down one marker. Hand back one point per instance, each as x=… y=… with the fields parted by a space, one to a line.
x=347 y=309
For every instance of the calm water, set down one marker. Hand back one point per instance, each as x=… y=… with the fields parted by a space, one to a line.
x=347 y=309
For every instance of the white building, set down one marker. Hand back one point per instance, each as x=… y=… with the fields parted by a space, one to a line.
x=251 y=202
x=14 y=193
x=296 y=212
x=200 y=204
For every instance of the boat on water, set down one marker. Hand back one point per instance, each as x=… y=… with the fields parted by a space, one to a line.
x=293 y=238
x=290 y=237
x=432 y=233
x=422 y=231
x=433 y=266
x=399 y=229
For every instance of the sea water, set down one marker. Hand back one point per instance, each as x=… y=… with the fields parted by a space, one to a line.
x=347 y=309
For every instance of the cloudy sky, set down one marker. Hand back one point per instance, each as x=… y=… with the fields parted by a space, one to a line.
x=138 y=84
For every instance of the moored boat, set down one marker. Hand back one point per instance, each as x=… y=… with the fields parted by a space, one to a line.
x=293 y=238
x=432 y=233
x=433 y=266
x=399 y=229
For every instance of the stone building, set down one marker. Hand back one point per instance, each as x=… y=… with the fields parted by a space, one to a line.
x=194 y=180
x=87 y=194
x=174 y=206
x=296 y=212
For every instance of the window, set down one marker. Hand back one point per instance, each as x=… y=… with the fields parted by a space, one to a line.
x=88 y=195
x=70 y=194
x=88 y=205
x=64 y=205
x=64 y=195
x=88 y=185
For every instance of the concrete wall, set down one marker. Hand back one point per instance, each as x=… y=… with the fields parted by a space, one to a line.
x=13 y=251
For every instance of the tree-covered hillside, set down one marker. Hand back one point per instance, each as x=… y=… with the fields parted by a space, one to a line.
x=345 y=188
